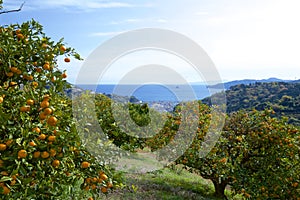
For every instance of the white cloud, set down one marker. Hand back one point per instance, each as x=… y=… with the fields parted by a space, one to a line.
x=103 y=34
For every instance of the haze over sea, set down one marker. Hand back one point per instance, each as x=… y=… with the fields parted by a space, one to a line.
x=154 y=92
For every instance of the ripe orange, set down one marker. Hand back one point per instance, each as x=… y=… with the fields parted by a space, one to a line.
x=1 y=99
x=52 y=152
x=22 y=154
x=52 y=121
x=223 y=160
x=45 y=154
x=48 y=111
x=35 y=84
x=46 y=66
x=42 y=116
x=30 y=102
x=6 y=190
x=20 y=36
x=36 y=154
x=9 y=142
x=109 y=185
x=38 y=70
x=55 y=163
x=85 y=164
x=36 y=129
x=44 y=104
x=32 y=143
x=62 y=48
x=9 y=74
x=104 y=189
x=2 y=147
x=14 y=69
x=18 y=31
x=51 y=138
x=25 y=108
x=13 y=83
x=64 y=75
x=67 y=60
x=103 y=177
x=44 y=45
x=42 y=136
x=19 y=72
x=90 y=198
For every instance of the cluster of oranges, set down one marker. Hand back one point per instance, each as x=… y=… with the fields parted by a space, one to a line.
x=101 y=182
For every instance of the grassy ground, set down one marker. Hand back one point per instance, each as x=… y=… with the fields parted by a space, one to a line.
x=167 y=184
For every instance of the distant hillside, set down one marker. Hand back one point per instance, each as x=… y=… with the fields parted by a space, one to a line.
x=227 y=85
x=283 y=97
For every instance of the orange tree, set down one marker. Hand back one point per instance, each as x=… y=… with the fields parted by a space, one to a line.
x=41 y=153
x=257 y=155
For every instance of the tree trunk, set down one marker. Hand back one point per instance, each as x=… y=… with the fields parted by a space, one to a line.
x=220 y=188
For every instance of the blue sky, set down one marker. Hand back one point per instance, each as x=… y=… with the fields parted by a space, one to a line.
x=245 y=39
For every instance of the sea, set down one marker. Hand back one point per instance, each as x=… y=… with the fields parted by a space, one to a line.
x=155 y=92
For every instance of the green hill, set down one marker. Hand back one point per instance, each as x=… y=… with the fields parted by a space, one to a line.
x=282 y=97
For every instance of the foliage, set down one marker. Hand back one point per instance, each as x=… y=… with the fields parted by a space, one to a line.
x=282 y=97
x=41 y=153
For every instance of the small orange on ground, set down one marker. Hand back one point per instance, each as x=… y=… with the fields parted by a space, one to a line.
x=52 y=121
x=85 y=164
x=36 y=154
x=32 y=143
x=45 y=154
x=30 y=102
x=55 y=163
x=22 y=154
x=67 y=60
x=3 y=147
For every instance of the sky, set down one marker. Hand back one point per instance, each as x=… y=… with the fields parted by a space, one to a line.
x=254 y=39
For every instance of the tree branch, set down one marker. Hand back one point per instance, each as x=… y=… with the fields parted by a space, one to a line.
x=16 y=10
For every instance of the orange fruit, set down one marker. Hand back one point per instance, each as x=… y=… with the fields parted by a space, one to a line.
x=1 y=163
x=45 y=154
x=85 y=164
x=9 y=74
x=3 y=147
x=25 y=108
x=30 y=102
x=44 y=104
x=38 y=70
x=20 y=36
x=19 y=72
x=4 y=173
x=42 y=136
x=44 y=45
x=52 y=152
x=36 y=154
x=109 y=185
x=35 y=84
x=103 y=176
x=1 y=99
x=42 y=116
x=13 y=83
x=46 y=97
x=14 y=69
x=90 y=198
x=29 y=78
x=51 y=138
x=9 y=142
x=48 y=111
x=52 y=121
x=22 y=154
x=36 y=129
x=104 y=189
x=32 y=143
x=67 y=60
x=62 y=48
x=64 y=75
x=46 y=66
x=6 y=190
x=55 y=163
x=18 y=31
